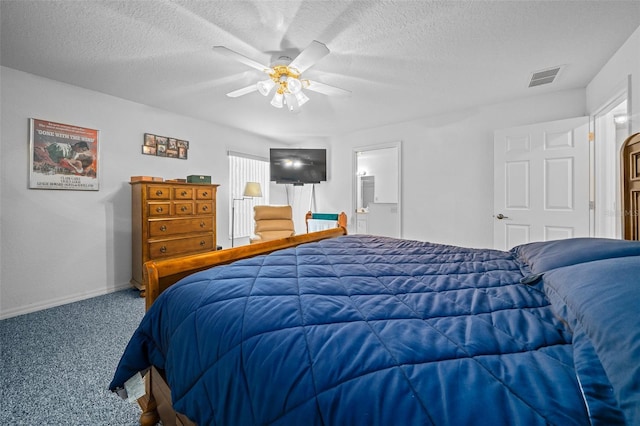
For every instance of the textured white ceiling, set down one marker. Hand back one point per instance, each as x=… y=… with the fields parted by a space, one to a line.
x=400 y=59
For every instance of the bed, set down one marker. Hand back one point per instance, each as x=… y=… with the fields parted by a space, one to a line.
x=364 y=330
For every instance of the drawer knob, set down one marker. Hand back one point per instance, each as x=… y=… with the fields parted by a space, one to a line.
x=203 y=243
x=159 y=192
x=159 y=209
x=205 y=194
x=183 y=208
x=202 y=224
x=163 y=249
x=205 y=208
x=163 y=228
x=183 y=193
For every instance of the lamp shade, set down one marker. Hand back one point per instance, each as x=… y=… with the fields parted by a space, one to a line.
x=301 y=98
x=294 y=85
x=252 y=189
x=277 y=100
x=264 y=87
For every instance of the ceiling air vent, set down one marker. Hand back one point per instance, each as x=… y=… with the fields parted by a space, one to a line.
x=547 y=76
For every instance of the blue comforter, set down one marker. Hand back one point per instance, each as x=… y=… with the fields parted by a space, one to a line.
x=363 y=330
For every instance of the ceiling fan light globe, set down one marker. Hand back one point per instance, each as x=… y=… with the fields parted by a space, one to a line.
x=292 y=102
x=265 y=86
x=301 y=98
x=294 y=85
x=277 y=100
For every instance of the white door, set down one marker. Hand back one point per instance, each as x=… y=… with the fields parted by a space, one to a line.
x=541 y=182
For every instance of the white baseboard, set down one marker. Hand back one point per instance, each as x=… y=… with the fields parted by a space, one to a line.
x=52 y=303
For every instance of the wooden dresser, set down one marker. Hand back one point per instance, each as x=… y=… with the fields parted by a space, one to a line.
x=170 y=219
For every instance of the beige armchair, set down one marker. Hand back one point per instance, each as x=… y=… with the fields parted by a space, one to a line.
x=272 y=223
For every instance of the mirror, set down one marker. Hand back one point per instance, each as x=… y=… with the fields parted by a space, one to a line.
x=377 y=190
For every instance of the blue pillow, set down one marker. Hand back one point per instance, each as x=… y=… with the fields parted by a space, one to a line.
x=544 y=256
x=600 y=301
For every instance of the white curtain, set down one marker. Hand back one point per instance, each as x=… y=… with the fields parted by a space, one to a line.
x=245 y=168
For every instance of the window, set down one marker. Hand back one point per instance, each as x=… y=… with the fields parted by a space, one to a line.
x=245 y=168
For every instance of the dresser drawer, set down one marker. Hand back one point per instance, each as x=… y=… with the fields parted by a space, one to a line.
x=184 y=193
x=180 y=246
x=159 y=209
x=181 y=209
x=168 y=227
x=158 y=192
x=204 y=194
x=204 y=208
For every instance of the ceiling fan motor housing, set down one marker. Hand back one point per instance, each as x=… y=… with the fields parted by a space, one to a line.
x=287 y=79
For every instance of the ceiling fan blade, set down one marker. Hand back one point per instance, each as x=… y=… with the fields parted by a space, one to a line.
x=309 y=56
x=242 y=59
x=325 y=89
x=243 y=91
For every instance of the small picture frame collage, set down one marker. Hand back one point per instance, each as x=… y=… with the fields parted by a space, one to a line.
x=164 y=146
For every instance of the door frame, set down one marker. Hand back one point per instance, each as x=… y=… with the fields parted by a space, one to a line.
x=354 y=174
x=597 y=184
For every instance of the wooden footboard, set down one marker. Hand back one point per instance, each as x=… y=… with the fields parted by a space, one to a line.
x=159 y=275
x=341 y=219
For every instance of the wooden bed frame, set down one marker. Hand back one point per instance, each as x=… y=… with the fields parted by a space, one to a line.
x=158 y=275
x=342 y=219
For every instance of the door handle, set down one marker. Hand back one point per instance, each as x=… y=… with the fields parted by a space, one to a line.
x=501 y=216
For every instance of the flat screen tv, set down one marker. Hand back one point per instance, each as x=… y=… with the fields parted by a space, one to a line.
x=298 y=166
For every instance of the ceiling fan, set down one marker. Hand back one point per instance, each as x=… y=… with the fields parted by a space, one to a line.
x=285 y=76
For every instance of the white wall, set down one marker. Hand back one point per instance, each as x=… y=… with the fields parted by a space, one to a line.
x=61 y=246
x=613 y=79
x=447 y=166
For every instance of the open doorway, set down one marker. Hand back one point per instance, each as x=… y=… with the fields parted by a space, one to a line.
x=377 y=189
x=611 y=128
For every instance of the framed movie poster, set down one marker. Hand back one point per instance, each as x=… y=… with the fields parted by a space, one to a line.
x=63 y=156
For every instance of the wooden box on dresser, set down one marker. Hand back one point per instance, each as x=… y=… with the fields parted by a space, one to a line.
x=170 y=219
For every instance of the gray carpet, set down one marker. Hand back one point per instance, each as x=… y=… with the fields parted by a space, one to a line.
x=56 y=364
